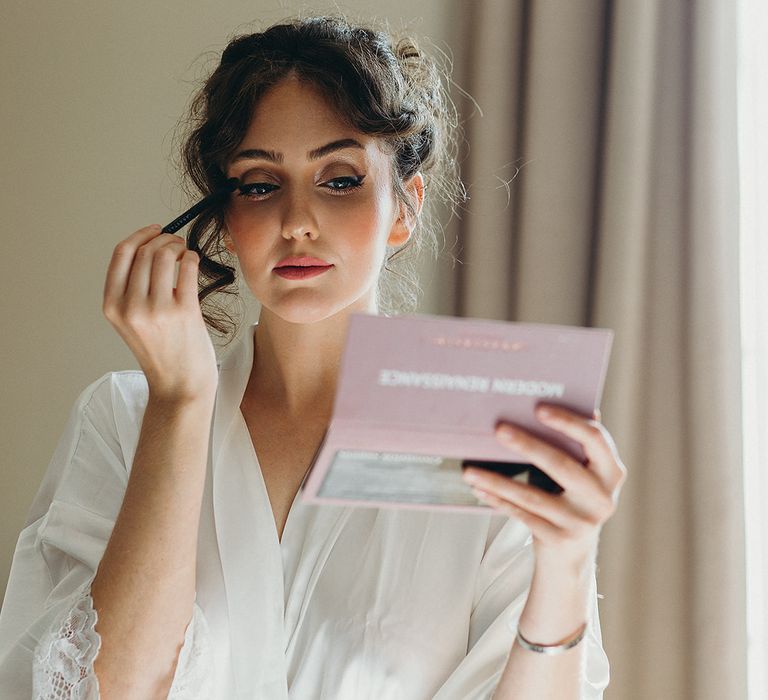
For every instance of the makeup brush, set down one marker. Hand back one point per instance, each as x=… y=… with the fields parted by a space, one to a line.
x=231 y=185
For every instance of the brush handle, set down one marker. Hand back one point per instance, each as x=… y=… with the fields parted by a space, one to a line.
x=232 y=184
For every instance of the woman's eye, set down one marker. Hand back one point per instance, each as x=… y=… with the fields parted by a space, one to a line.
x=256 y=189
x=344 y=184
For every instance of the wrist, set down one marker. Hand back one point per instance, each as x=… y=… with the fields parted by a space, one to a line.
x=558 y=603
x=201 y=397
x=571 y=565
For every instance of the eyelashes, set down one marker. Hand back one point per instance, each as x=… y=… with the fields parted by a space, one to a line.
x=262 y=190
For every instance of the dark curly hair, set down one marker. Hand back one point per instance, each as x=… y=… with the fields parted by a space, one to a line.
x=380 y=86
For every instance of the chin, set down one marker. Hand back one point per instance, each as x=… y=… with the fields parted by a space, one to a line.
x=306 y=310
x=313 y=308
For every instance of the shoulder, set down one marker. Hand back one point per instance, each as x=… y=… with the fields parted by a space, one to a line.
x=110 y=411
x=92 y=458
x=118 y=395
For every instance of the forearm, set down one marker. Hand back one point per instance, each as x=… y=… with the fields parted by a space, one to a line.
x=558 y=605
x=144 y=589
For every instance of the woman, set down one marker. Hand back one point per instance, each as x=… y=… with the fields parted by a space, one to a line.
x=167 y=553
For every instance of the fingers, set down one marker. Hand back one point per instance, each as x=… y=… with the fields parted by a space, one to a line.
x=546 y=506
x=590 y=493
x=119 y=268
x=142 y=269
x=163 y=270
x=597 y=442
x=569 y=521
x=186 y=285
x=151 y=274
x=558 y=465
x=541 y=527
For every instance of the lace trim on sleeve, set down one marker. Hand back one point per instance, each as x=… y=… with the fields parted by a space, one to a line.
x=63 y=664
x=194 y=674
x=63 y=660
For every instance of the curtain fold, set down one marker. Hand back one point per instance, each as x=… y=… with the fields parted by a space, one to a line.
x=600 y=161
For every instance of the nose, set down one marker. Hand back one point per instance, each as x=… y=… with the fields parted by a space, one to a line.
x=298 y=221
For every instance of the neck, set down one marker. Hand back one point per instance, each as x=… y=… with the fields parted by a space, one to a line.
x=296 y=365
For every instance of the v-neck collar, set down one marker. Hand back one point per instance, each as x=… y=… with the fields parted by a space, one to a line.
x=245 y=436
x=237 y=516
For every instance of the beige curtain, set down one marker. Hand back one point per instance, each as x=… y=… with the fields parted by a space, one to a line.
x=618 y=120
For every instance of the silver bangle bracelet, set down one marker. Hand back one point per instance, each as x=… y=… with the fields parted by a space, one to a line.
x=551 y=648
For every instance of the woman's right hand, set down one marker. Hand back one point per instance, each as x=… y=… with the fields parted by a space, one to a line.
x=163 y=326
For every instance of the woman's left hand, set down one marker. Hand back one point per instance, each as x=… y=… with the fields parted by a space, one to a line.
x=566 y=525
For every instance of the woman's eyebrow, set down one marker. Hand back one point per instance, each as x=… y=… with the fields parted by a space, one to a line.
x=315 y=154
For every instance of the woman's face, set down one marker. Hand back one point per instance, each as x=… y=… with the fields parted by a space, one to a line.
x=336 y=204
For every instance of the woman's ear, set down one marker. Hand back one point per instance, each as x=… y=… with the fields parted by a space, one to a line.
x=406 y=221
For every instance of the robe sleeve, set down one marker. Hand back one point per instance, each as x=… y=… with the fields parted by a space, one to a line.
x=501 y=591
x=48 y=640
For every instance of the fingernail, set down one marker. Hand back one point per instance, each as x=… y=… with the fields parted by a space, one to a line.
x=544 y=412
x=508 y=432
x=471 y=477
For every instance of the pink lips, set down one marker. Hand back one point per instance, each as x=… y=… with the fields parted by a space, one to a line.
x=303 y=267
x=301 y=273
x=302 y=261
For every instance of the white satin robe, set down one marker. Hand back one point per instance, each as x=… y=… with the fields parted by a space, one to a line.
x=354 y=603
